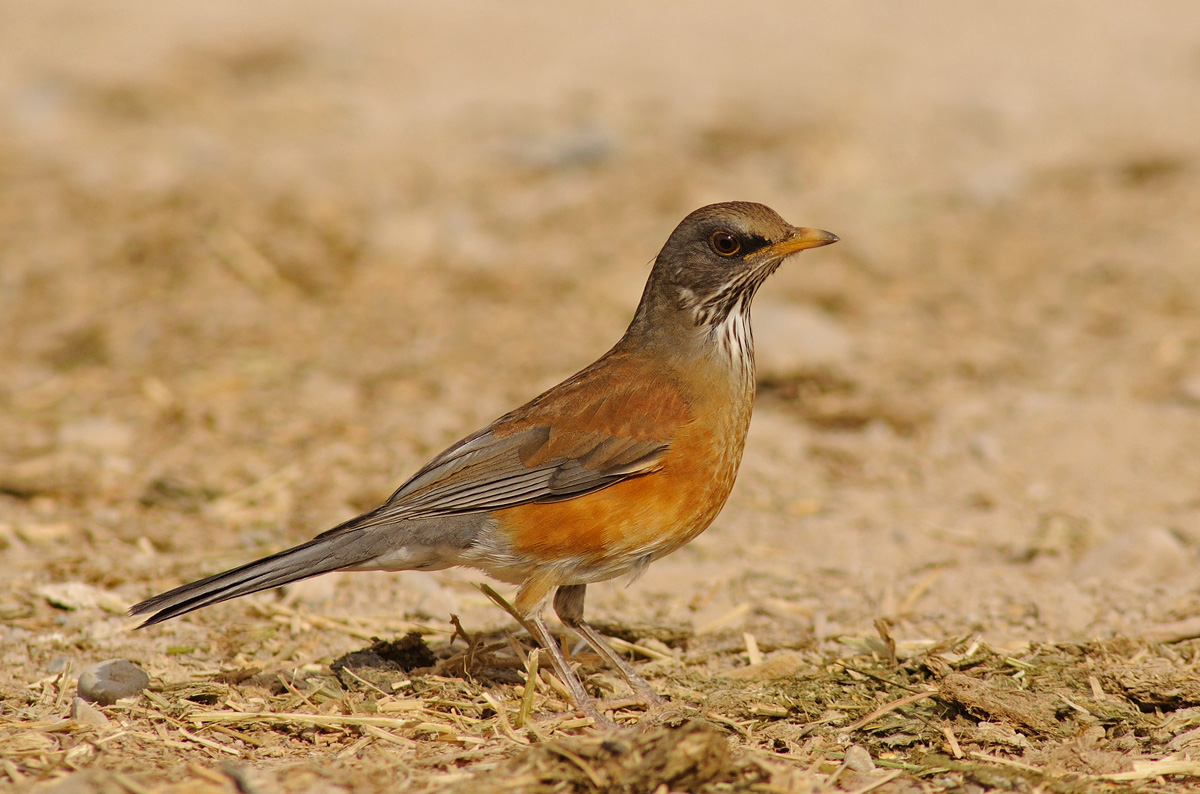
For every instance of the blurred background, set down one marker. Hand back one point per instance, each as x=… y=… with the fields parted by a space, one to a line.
x=259 y=262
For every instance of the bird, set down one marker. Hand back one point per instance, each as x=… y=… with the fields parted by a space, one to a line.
x=617 y=466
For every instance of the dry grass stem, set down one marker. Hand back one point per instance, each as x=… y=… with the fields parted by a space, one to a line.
x=531 y=679
x=882 y=710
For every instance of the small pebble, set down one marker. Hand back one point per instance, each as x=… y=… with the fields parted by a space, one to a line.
x=858 y=759
x=109 y=681
x=59 y=664
x=87 y=714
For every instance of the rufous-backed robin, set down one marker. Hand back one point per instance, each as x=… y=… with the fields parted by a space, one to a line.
x=618 y=465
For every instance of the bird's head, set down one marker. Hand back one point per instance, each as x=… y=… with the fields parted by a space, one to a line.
x=718 y=256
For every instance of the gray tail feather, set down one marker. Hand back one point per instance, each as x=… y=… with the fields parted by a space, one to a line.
x=317 y=556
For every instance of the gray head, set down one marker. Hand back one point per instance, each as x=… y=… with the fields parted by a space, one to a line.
x=716 y=259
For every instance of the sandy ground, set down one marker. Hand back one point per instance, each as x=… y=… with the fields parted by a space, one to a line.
x=258 y=264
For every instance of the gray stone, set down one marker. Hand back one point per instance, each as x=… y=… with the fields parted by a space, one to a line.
x=858 y=759
x=107 y=682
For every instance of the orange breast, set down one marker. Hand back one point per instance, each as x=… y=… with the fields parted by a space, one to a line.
x=609 y=531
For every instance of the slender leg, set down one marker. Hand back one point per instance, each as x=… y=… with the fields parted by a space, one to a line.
x=568 y=604
x=527 y=608
x=582 y=700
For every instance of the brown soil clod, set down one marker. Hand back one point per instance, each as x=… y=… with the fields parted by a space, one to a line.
x=987 y=700
x=405 y=655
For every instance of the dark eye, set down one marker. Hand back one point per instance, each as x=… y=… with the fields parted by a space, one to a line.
x=725 y=243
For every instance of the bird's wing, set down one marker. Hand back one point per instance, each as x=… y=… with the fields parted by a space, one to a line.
x=598 y=428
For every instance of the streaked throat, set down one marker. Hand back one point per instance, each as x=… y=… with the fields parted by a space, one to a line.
x=724 y=316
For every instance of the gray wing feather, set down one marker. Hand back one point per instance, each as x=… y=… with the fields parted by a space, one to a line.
x=483 y=472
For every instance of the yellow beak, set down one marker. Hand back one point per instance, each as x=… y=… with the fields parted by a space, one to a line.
x=800 y=240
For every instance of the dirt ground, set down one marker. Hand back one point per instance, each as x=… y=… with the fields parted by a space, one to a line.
x=259 y=262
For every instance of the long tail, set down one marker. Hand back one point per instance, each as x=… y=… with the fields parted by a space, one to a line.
x=320 y=555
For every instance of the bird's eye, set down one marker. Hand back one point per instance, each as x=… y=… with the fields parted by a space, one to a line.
x=724 y=243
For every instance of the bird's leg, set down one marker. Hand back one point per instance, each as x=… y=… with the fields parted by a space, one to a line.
x=568 y=604
x=582 y=700
x=527 y=607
